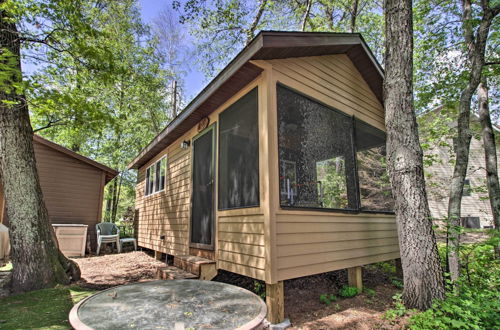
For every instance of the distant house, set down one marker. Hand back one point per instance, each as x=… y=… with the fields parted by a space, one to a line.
x=276 y=169
x=72 y=186
x=476 y=209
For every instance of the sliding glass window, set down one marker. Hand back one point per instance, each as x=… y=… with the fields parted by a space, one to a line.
x=239 y=154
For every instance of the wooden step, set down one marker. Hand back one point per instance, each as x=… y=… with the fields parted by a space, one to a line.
x=173 y=273
x=203 y=268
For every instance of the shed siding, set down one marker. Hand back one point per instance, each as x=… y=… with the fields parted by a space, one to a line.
x=311 y=242
x=71 y=189
x=333 y=80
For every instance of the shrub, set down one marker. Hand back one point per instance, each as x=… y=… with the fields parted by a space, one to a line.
x=399 y=309
x=470 y=308
x=327 y=299
x=369 y=292
x=348 y=291
x=474 y=302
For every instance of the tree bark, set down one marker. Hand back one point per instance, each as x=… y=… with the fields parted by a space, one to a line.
x=354 y=15
x=476 y=45
x=306 y=14
x=422 y=274
x=251 y=30
x=490 y=155
x=37 y=261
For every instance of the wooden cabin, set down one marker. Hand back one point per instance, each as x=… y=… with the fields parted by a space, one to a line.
x=72 y=186
x=276 y=170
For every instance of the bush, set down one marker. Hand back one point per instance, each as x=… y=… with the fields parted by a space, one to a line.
x=469 y=309
x=474 y=302
x=348 y=291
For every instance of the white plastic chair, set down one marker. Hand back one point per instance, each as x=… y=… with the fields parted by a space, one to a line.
x=107 y=232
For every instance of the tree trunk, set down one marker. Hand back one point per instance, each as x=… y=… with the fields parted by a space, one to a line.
x=37 y=261
x=306 y=14
x=490 y=155
x=354 y=15
x=476 y=46
x=113 y=199
x=422 y=274
x=117 y=199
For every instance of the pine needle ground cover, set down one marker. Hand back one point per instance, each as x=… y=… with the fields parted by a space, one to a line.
x=42 y=309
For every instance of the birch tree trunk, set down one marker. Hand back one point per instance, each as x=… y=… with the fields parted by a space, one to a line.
x=422 y=274
x=37 y=261
x=476 y=45
x=490 y=155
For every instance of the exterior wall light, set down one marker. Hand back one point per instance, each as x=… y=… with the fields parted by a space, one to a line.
x=185 y=144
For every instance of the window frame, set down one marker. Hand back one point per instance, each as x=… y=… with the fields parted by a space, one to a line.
x=358 y=209
x=156 y=181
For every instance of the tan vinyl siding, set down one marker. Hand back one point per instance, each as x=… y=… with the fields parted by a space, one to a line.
x=166 y=213
x=241 y=245
x=71 y=188
x=311 y=242
x=333 y=80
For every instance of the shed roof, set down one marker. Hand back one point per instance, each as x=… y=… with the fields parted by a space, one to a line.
x=240 y=71
x=110 y=173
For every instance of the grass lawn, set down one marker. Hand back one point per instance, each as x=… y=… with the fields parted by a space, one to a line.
x=42 y=309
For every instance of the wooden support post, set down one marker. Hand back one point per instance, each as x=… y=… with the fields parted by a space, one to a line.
x=275 y=301
x=158 y=255
x=355 y=277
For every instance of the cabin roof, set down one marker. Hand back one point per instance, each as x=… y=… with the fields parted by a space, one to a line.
x=239 y=72
x=110 y=173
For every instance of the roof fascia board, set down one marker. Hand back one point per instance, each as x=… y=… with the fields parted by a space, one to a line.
x=244 y=56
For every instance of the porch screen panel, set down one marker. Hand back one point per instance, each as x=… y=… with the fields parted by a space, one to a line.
x=316 y=154
x=239 y=154
x=374 y=185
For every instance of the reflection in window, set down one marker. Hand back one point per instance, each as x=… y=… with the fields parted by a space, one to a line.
x=374 y=185
x=239 y=154
x=316 y=154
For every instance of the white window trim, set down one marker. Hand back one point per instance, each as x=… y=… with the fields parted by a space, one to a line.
x=154 y=182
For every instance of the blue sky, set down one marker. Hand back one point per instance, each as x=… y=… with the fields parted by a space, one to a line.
x=195 y=80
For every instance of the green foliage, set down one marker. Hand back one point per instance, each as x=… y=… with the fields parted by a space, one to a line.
x=472 y=307
x=369 y=292
x=348 y=291
x=397 y=282
x=327 y=298
x=259 y=288
x=474 y=302
x=399 y=309
x=42 y=309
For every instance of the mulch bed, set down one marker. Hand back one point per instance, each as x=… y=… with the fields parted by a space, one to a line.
x=102 y=272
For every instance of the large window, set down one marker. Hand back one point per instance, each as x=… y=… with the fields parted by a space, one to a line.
x=374 y=186
x=316 y=154
x=155 y=177
x=239 y=154
x=320 y=153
